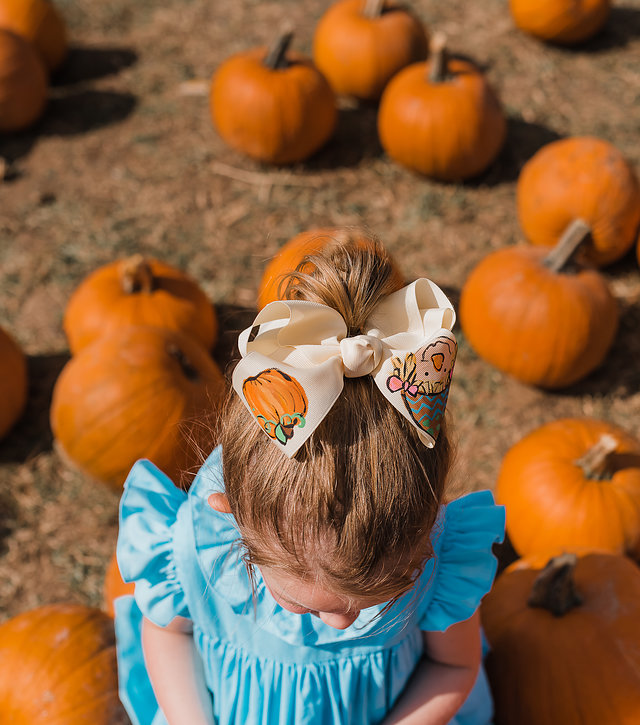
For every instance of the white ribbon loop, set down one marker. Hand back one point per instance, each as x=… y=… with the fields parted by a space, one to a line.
x=296 y=354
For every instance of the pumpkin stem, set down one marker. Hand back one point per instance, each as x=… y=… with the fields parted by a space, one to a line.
x=373 y=8
x=136 y=275
x=190 y=372
x=572 y=237
x=439 y=57
x=595 y=460
x=554 y=588
x=276 y=57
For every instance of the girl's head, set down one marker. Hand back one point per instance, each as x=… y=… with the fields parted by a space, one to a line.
x=345 y=523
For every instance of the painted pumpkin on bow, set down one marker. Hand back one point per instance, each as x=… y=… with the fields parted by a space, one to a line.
x=278 y=402
x=565 y=22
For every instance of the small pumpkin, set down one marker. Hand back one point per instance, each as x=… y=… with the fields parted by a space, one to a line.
x=135 y=393
x=572 y=483
x=586 y=178
x=114 y=586
x=441 y=118
x=565 y=22
x=58 y=667
x=23 y=83
x=311 y=242
x=538 y=317
x=359 y=45
x=138 y=291
x=13 y=382
x=39 y=22
x=564 y=636
x=273 y=105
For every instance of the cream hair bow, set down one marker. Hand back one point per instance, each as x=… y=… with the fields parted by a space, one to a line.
x=296 y=354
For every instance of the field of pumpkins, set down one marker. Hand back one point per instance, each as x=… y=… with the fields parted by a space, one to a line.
x=156 y=158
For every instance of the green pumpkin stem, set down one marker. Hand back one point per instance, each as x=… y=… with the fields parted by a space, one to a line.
x=438 y=63
x=373 y=8
x=555 y=589
x=595 y=462
x=276 y=57
x=572 y=238
x=136 y=275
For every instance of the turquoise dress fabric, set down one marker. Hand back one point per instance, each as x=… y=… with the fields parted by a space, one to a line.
x=263 y=664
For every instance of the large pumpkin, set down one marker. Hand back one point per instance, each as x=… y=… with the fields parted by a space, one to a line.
x=360 y=45
x=441 y=118
x=138 y=291
x=311 y=242
x=273 y=105
x=572 y=483
x=537 y=317
x=560 y=21
x=13 y=382
x=565 y=641
x=23 y=83
x=585 y=178
x=39 y=22
x=137 y=392
x=58 y=667
x=114 y=586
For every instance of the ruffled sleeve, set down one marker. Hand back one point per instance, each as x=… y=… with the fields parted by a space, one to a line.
x=465 y=565
x=148 y=512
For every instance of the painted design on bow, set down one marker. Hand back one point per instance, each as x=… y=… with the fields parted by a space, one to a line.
x=278 y=402
x=423 y=379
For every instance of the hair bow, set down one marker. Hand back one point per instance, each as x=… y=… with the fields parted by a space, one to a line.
x=296 y=354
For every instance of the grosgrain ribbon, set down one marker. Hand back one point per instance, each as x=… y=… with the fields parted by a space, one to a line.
x=296 y=354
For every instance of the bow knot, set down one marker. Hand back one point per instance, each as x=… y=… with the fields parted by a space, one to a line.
x=360 y=354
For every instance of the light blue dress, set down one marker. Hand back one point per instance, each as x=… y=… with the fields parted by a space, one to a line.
x=263 y=664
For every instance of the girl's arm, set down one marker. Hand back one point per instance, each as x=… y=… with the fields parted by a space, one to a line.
x=176 y=672
x=444 y=677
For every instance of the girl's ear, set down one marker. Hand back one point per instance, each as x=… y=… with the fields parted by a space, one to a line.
x=219 y=503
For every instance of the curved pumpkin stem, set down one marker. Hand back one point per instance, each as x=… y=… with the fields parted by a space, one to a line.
x=276 y=57
x=189 y=371
x=595 y=460
x=373 y=8
x=555 y=589
x=573 y=236
x=136 y=275
x=439 y=57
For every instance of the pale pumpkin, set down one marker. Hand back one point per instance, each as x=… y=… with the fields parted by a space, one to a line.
x=40 y=23
x=58 y=667
x=13 y=382
x=114 y=586
x=23 y=83
x=586 y=178
x=536 y=316
x=359 y=45
x=565 y=641
x=565 y=22
x=441 y=118
x=272 y=104
x=137 y=392
x=138 y=291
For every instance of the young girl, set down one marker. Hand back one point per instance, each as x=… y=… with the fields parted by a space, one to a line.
x=312 y=573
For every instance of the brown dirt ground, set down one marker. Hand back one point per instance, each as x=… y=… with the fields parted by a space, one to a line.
x=122 y=161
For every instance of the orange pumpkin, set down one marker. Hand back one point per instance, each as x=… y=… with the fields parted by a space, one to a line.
x=23 y=83
x=134 y=393
x=273 y=105
x=114 y=586
x=39 y=22
x=13 y=382
x=565 y=641
x=58 y=667
x=360 y=44
x=572 y=483
x=138 y=291
x=585 y=178
x=536 y=317
x=311 y=242
x=565 y=22
x=441 y=118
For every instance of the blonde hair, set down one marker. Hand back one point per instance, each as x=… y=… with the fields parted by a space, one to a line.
x=354 y=508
